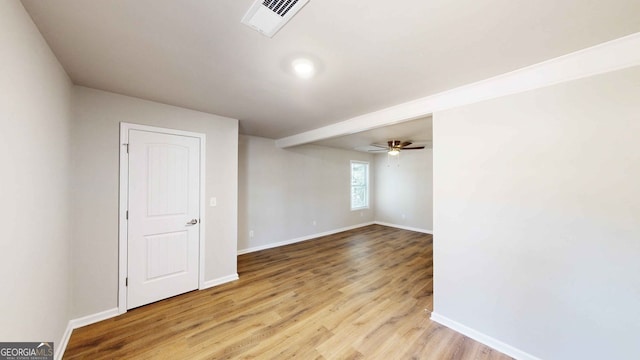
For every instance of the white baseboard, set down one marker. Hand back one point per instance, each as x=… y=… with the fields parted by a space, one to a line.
x=410 y=228
x=78 y=323
x=93 y=318
x=300 y=239
x=219 y=281
x=61 y=346
x=107 y=314
x=483 y=338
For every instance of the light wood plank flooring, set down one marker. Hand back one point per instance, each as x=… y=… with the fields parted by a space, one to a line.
x=360 y=294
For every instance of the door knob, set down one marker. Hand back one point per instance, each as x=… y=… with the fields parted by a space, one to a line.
x=192 y=222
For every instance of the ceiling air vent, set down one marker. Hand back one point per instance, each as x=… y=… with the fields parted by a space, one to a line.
x=268 y=16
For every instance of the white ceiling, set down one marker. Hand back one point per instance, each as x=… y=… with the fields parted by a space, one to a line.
x=371 y=53
x=417 y=131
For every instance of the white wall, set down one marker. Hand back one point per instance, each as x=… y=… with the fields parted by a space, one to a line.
x=282 y=191
x=537 y=203
x=35 y=105
x=95 y=144
x=404 y=189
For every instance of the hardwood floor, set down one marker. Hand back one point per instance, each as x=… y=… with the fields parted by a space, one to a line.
x=360 y=294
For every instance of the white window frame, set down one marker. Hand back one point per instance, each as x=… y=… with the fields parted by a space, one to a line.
x=367 y=185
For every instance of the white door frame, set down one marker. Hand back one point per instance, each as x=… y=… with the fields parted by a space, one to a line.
x=124 y=195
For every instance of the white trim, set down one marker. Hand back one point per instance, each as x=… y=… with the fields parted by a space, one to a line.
x=94 y=318
x=300 y=239
x=483 y=338
x=410 y=228
x=122 y=219
x=62 y=345
x=123 y=190
x=203 y=197
x=219 y=281
x=367 y=185
x=606 y=57
x=78 y=323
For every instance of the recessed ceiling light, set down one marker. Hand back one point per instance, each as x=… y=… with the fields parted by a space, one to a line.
x=304 y=68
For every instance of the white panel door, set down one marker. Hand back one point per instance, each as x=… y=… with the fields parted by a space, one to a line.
x=164 y=219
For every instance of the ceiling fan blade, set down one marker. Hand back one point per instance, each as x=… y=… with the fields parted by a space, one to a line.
x=406 y=143
x=378 y=151
x=414 y=148
x=380 y=146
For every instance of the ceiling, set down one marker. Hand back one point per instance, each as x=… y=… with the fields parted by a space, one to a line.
x=417 y=131
x=371 y=54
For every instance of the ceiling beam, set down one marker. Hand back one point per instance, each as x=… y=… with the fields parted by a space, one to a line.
x=606 y=57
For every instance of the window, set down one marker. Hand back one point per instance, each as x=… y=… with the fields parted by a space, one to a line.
x=359 y=185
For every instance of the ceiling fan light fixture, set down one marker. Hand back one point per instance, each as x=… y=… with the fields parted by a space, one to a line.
x=303 y=68
x=394 y=152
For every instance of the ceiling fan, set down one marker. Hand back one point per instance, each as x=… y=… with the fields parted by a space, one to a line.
x=395 y=146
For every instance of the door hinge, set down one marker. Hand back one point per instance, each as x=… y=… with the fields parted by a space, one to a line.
x=127 y=146
x=126 y=216
x=126 y=282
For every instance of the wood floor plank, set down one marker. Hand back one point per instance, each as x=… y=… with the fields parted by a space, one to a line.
x=360 y=294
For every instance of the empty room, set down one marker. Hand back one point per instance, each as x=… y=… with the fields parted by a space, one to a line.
x=320 y=179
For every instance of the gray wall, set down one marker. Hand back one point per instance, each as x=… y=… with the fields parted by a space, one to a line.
x=404 y=189
x=95 y=141
x=536 y=216
x=34 y=197
x=282 y=191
